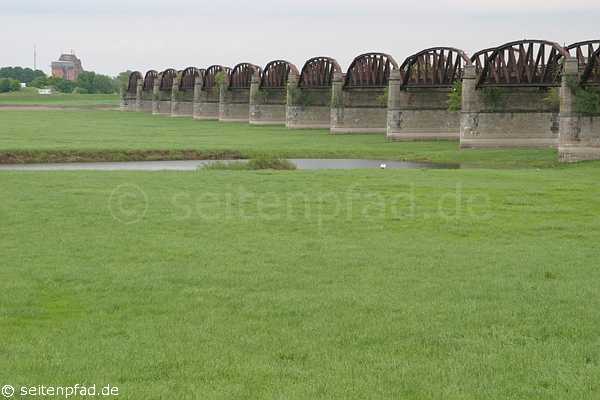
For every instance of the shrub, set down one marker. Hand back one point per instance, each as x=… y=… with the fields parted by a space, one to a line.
x=552 y=98
x=9 y=85
x=301 y=97
x=587 y=101
x=262 y=162
x=262 y=96
x=220 y=78
x=455 y=97
x=62 y=85
x=383 y=98
x=493 y=97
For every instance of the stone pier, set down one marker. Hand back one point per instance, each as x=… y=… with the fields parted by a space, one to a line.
x=358 y=110
x=309 y=95
x=359 y=99
x=147 y=92
x=131 y=95
x=416 y=113
x=182 y=95
x=268 y=96
x=207 y=93
x=579 y=134
x=234 y=105
x=510 y=104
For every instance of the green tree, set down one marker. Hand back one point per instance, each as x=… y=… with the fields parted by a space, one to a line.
x=20 y=74
x=103 y=84
x=90 y=82
x=39 y=82
x=61 y=84
x=86 y=81
x=9 y=85
x=122 y=80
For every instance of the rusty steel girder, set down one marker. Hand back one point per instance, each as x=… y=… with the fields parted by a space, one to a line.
x=166 y=79
x=588 y=56
x=481 y=58
x=240 y=76
x=318 y=72
x=535 y=63
x=187 y=79
x=134 y=77
x=149 y=80
x=275 y=74
x=434 y=67
x=370 y=70
x=210 y=75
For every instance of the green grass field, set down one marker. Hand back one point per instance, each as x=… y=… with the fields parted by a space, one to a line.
x=304 y=285
x=64 y=135
x=30 y=97
x=475 y=283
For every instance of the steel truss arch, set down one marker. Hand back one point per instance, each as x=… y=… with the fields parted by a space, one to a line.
x=534 y=63
x=318 y=72
x=434 y=67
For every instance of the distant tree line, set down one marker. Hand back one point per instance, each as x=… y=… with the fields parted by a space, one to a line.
x=87 y=81
x=21 y=74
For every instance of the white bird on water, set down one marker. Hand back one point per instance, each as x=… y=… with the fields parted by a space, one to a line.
x=383 y=166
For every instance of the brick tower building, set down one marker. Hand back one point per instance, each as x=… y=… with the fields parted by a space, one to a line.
x=67 y=67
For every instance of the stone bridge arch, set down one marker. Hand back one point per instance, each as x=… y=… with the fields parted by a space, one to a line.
x=309 y=97
x=359 y=99
x=163 y=87
x=235 y=101
x=418 y=95
x=148 y=90
x=511 y=98
x=182 y=101
x=268 y=97
x=131 y=95
x=206 y=105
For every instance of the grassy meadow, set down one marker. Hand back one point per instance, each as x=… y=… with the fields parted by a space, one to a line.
x=113 y=135
x=30 y=97
x=474 y=283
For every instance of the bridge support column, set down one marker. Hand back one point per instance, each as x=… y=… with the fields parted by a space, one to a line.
x=290 y=106
x=223 y=89
x=337 y=101
x=254 y=106
x=174 y=98
x=470 y=105
x=156 y=97
x=394 y=114
x=138 y=94
x=197 y=107
x=579 y=137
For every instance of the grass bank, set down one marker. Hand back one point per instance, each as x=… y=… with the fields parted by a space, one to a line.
x=404 y=284
x=29 y=97
x=40 y=136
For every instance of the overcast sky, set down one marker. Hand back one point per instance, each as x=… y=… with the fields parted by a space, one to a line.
x=115 y=35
